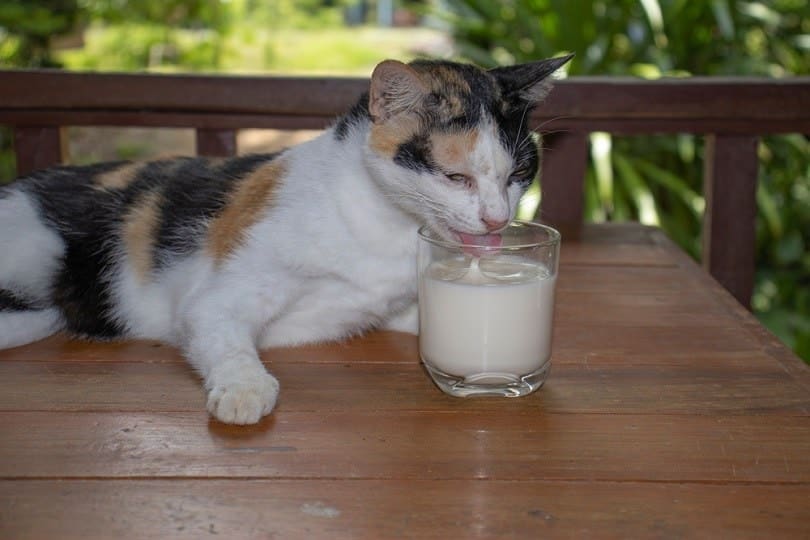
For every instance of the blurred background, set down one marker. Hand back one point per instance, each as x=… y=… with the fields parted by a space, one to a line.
x=655 y=180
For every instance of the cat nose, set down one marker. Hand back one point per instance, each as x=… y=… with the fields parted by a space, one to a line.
x=494 y=224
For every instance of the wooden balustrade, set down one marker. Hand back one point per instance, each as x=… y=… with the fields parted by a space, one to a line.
x=731 y=112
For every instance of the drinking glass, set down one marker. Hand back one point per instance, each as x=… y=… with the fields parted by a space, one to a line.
x=486 y=309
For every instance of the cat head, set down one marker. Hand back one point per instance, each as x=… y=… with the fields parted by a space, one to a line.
x=450 y=142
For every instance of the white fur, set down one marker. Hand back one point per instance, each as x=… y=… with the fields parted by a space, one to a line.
x=29 y=250
x=149 y=309
x=29 y=256
x=23 y=327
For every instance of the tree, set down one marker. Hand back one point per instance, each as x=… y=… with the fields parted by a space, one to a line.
x=28 y=26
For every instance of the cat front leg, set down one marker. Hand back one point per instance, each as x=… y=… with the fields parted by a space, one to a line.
x=240 y=390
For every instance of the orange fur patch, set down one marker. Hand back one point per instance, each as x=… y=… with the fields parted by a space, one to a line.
x=139 y=232
x=451 y=150
x=244 y=208
x=386 y=137
x=118 y=178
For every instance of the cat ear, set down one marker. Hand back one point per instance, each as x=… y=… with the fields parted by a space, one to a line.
x=528 y=82
x=395 y=88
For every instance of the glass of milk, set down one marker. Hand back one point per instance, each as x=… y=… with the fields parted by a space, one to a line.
x=486 y=308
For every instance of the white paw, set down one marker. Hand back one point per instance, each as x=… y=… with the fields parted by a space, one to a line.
x=243 y=401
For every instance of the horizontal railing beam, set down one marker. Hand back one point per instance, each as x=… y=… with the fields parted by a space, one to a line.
x=201 y=119
x=205 y=120
x=697 y=105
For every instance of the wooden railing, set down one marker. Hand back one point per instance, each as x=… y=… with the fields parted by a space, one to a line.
x=731 y=113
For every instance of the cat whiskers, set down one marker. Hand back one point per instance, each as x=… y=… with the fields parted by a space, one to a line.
x=422 y=201
x=536 y=131
x=516 y=145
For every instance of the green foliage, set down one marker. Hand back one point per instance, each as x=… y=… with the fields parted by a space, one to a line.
x=642 y=37
x=229 y=36
x=171 y=13
x=141 y=46
x=27 y=26
x=134 y=35
x=8 y=162
x=782 y=296
x=658 y=180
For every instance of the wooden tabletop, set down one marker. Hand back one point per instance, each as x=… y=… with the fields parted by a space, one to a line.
x=669 y=413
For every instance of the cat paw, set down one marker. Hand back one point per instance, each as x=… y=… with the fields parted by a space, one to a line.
x=243 y=401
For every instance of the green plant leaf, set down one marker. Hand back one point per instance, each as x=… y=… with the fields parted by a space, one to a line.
x=790 y=248
x=639 y=192
x=672 y=182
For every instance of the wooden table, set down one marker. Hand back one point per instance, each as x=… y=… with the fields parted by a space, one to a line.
x=670 y=412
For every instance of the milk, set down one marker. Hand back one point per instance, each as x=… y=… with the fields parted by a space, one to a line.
x=488 y=321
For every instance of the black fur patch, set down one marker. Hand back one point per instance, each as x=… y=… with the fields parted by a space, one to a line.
x=240 y=167
x=516 y=137
x=80 y=291
x=10 y=301
x=415 y=154
x=357 y=114
x=85 y=217
x=193 y=194
x=89 y=219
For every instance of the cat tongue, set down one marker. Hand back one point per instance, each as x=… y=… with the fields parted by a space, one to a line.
x=480 y=240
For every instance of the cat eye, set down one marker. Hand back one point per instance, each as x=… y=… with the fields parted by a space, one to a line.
x=521 y=176
x=459 y=178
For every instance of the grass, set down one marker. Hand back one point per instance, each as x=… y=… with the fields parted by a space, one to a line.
x=252 y=49
x=346 y=51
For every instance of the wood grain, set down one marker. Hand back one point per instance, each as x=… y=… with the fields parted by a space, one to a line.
x=500 y=445
x=714 y=104
x=37 y=147
x=670 y=412
x=729 y=230
x=216 y=142
x=236 y=509
x=729 y=384
x=562 y=180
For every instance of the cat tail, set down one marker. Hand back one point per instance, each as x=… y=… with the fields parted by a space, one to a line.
x=30 y=254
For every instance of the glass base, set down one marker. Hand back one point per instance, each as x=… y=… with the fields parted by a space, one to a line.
x=489 y=384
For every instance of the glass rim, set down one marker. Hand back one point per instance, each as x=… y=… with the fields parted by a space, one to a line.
x=554 y=238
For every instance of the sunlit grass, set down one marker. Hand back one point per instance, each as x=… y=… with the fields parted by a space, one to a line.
x=252 y=49
x=346 y=50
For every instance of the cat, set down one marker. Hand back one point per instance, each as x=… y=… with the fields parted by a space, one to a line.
x=223 y=257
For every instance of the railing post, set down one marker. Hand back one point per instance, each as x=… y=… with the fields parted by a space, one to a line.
x=36 y=147
x=216 y=142
x=729 y=228
x=562 y=179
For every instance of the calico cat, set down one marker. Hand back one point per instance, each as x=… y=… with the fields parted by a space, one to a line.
x=223 y=256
